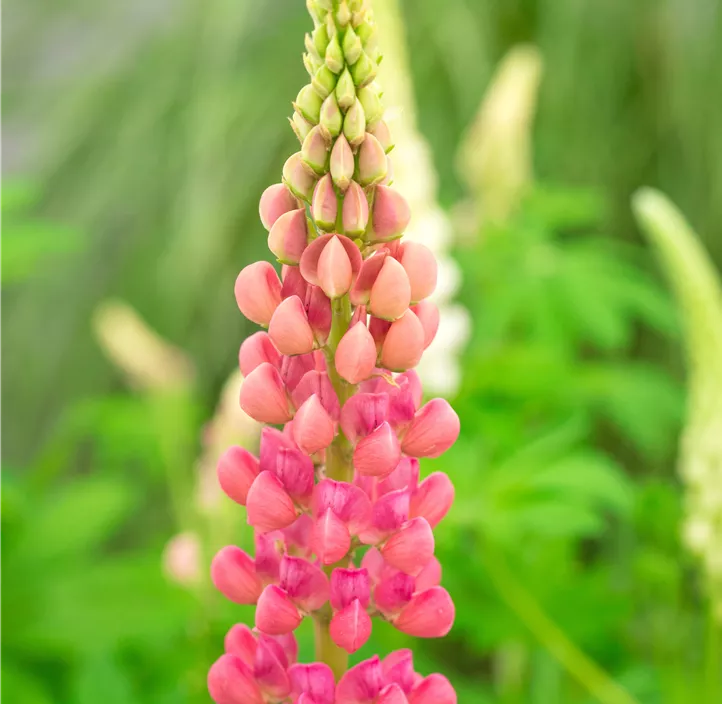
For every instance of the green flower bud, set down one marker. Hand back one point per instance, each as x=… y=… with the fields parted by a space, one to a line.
x=372 y=163
x=325 y=4
x=331 y=117
x=345 y=90
x=331 y=26
x=381 y=131
x=315 y=10
x=324 y=82
x=320 y=39
x=314 y=151
x=368 y=35
x=354 y=124
x=373 y=109
x=355 y=5
x=358 y=18
x=334 y=55
x=298 y=178
x=311 y=47
x=312 y=65
x=351 y=46
x=342 y=163
x=308 y=103
x=364 y=70
x=343 y=14
x=300 y=126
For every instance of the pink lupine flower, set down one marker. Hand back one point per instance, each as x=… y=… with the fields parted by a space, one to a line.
x=347 y=322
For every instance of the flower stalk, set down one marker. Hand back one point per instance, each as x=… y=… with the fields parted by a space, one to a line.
x=343 y=525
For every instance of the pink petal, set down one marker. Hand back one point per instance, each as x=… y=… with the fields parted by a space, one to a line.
x=296 y=473
x=433 y=498
x=360 y=294
x=318 y=309
x=393 y=593
x=378 y=453
x=268 y=558
x=392 y=694
x=234 y=574
x=331 y=539
x=255 y=350
x=362 y=414
x=433 y=430
x=237 y=468
x=258 y=292
x=240 y=641
x=391 y=292
x=275 y=201
x=429 y=614
x=434 y=689
x=428 y=314
x=313 y=428
x=374 y=564
x=391 y=214
x=348 y=502
x=361 y=684
x=288 y=236
x=293 y=283
x=411 y=547
x=299 y=534
x=269 y=669
x=289 y=645
x=268 y=506
x=429 y=577
x=355 y=357
x=405 y=476
x=230 y=681
x=420 y=265
x=348 y=585
x=315 y=679
x=335 y=273
x=263 y=395
x=403 y=344
x=293 y=370
x=391 y=511
x=289 y=328
x=318 y=383
x=272 y=440
x=276 y=614
x=398 y=667
x=305 y=584
x=350 y=628
x=311 y=260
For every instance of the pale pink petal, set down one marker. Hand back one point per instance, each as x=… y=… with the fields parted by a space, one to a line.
x=263 y=395
x=289 y=328
x=355 y=356
x=255 y=350
x=313 y=428
x=433 y=430
x=398 y=667
x=258 y=292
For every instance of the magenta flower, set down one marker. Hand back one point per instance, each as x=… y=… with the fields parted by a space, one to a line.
x=343 y=525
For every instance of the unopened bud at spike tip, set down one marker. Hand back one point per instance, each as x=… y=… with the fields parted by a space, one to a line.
x=324 y=82
x=315 y=151
x=334 y=55
x=288 y=237
x=325 y=204
x=320 y=39
x=308 y=103
x=364 y=70
x=372 y=104
x=345 y=90
x=298 y=177
x=342 y=163
x=331 y=120
x=354 y=124
x=343 y=14
x=351 y=46
x=372 y=161
x=355 y=215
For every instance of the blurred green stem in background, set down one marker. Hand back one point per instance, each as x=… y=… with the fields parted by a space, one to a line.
x=548 y=633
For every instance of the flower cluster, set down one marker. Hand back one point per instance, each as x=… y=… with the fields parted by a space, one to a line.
x=343 y=523
x=257 y=668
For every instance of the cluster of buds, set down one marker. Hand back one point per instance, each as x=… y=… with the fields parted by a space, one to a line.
x=343 y=523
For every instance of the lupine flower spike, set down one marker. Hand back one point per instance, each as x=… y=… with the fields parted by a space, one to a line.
x=343 y=525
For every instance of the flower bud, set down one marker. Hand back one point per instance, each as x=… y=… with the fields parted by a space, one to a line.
x=355 y=357
x=364 y=70
x=268 y=505
x=434 y=689
x=234 y=575
x=263 y=395
x=236 y=470
x=354 y=124
x=411 y=548
x=289 y=236
x=256 y=350
x=390 y=294
x=367 y=33
x=429 y=614
x=420 y=265
x=300 y=126
x=351 y=46
x=331 y=120
x=343 y=14
x=258 y=292
x=433 y=498
x=275 y=201
x=313 y=429
x=403 y=344
x=312 y=63
x=304 y=582
x=433 y=430
x=342 y=163
x=331 y=262
x=334 y=55
x=381 y=131
x=308 y=103
x=310 y=45
x=372 y=106
x=298 y=178
x=378 y=453
x=372 y=161
x=325 y=204
x=350 y=627
x=289 y=328
x=320 y=39
x=314 y=151
x=391 y=214
x=315 y=679
x=276 y=614
x=230 y=681
x=324 y=82
x=345 y=90
x=428 y=314
x=355 y=213
x=239 y=641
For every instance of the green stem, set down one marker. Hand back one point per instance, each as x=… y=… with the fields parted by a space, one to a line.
x=327 y=651
x=597 y=682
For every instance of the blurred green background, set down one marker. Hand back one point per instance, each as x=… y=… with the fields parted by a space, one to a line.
x=138 y=138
